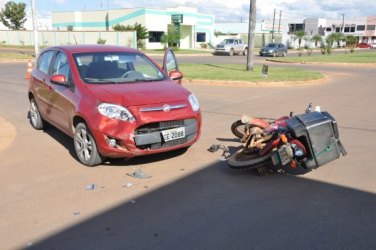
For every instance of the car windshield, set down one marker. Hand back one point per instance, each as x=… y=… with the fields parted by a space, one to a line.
x=228 y=41
x=271 y=45
x=116 y=67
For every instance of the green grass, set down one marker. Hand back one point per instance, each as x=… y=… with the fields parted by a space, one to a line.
x=5 y=55
x=356 y=57
x=235 y=72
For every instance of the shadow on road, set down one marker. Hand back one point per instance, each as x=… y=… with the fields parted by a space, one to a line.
x=219 y=208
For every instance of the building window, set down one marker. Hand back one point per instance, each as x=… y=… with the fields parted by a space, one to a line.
x=352 y=29
x=328 y=29
x=360 y=27
x=371 y=27
x=201 y=37
x=347 y=29
x=155 y=36
x=338 y=29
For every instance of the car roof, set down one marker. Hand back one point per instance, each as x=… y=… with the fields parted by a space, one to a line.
x=91 y=48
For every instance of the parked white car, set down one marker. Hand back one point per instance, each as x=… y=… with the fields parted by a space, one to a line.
x=231 y=46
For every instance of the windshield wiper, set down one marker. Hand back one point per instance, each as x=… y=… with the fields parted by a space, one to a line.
x=94 y=80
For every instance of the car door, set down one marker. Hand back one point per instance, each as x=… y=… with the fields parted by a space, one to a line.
x=40 y=81
x=62 y=95
x=170 y=66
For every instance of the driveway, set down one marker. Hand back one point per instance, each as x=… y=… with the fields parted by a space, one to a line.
x=193 y=200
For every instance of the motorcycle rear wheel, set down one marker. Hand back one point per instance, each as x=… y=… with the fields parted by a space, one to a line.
x=241 y=160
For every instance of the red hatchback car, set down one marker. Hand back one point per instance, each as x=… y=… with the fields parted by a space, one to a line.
x=114 y=101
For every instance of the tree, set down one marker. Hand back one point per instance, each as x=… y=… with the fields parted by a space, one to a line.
x=141 y=32
x=13 y=15
x=351 y=42
x=317 y=39
x=170 y=39
x=299 y=35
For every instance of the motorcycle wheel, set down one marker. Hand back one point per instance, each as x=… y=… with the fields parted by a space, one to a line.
x=241 y=160
x=238 y=129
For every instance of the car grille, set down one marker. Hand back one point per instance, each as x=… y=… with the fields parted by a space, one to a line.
x=149 y=136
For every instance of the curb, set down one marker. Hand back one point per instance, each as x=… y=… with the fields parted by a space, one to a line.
x=324 y=63
x=258 y=84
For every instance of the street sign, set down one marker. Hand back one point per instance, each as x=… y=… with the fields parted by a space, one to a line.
x=177 y=18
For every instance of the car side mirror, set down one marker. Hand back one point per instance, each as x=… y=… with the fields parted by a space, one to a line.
x=59 y=79
x=176 y=76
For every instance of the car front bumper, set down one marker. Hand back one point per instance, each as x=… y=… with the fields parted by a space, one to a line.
x=144 y=136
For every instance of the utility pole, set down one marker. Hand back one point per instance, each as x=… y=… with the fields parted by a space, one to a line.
x=343 y=23
x=251 y=34
x=273 y=26
x=279 y=23
x=35 y=28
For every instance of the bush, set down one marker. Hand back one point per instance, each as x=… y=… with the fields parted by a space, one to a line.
x=204 y=45
x=101 y=41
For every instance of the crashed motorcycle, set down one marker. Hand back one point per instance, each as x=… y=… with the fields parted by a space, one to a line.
x=289 y=144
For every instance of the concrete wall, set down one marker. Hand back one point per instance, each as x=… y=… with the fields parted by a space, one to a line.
x=51 y=38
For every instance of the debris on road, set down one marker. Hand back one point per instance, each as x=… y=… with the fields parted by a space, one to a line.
x=76 y=213
x=91 y=187
x=139 y=174
x=128 y=185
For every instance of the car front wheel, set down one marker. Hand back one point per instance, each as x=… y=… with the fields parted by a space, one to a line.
x=35 y=117
x=232 y=52
x=85 y=146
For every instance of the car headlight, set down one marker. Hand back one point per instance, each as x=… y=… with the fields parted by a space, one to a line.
x=194 y=102
x=114 y=111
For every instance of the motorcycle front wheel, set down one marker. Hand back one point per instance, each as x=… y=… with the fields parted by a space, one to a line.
x=238 y=129
x=242 y=160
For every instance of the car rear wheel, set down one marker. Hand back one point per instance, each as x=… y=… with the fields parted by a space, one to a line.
x=85 y=146
x=35 y=117
x=231 y=52
x=245 y=51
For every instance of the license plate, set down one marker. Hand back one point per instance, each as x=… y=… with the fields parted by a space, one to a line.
x=283 y=155
x=173 y=134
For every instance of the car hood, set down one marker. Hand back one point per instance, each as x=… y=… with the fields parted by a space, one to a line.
x=138 y=94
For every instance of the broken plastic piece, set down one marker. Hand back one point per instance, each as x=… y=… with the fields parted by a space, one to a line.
x=139 y=174
x=91 y=187
x=128 y=185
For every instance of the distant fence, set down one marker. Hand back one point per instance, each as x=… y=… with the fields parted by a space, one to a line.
x=51 y=38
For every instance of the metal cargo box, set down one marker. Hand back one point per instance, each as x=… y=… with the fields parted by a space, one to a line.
x=319 y=132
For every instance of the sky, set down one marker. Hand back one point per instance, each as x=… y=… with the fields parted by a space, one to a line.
x=227 y=10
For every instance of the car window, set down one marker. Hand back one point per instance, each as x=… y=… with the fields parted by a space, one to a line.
x=116 y=67
x=228 y=41
x=240 y=41
x=45 y=61
x=61 y=66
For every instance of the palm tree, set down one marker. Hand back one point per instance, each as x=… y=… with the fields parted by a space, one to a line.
x=317 y=39
x=299 y=34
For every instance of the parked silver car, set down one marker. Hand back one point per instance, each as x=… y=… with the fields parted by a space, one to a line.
x=231 y=46
x=274 y=49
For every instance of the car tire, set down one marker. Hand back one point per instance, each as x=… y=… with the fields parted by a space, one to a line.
x=245 y=51
x=85 y=146
x=232 y=52
x=36 y=119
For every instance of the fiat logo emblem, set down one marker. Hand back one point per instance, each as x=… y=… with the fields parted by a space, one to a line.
x=166 y=108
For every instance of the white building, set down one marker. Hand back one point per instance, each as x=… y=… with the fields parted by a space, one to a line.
x=195 y=27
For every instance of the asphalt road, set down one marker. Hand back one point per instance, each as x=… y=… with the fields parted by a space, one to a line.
x=193 y=200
